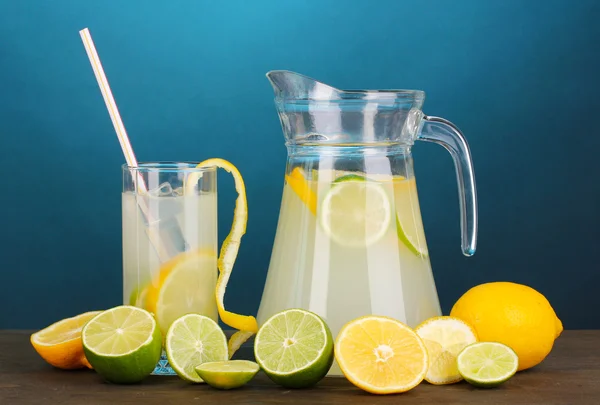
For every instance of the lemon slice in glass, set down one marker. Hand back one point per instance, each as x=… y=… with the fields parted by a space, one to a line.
x=185 y=285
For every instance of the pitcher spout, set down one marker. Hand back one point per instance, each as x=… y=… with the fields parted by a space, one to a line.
x=289 y=85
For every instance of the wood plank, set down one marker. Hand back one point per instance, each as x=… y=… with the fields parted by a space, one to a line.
x=570 y=375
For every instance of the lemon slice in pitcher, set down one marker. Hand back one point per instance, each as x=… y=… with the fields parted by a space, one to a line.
x=247 y=325
x=297 y=181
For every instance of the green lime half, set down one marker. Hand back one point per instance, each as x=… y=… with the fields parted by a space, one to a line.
x=356 y=213
x=226 y=375
x=123 y=344
x=487 y=364
x=294 y=348
x=193 y=340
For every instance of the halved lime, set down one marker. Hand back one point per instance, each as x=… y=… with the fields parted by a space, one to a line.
x=193 y=340
x=356 y=212
x=226 y=375
x=487 y=364
x=294 y=348
x=123 y=344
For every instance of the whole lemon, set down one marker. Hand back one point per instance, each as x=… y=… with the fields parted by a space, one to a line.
x=513 y=314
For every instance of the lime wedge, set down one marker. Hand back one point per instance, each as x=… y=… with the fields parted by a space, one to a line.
x=408 y=216
x=123 y=344
x=487 y=364
x=294 y=348
x=226 y=375
x=192 y=340
x=355 y=212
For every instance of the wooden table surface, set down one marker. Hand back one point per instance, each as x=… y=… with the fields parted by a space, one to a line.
x=570 y=375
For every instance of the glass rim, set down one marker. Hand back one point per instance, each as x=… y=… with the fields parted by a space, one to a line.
x=168 y=166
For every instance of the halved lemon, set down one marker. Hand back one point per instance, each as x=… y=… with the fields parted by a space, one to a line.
x=381 y=355
x=60 y=343
x=445 y=337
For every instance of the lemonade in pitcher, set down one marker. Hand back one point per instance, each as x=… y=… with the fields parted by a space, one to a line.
x=350 y=243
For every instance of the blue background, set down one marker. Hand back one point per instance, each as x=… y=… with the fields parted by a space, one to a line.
x=520 y=78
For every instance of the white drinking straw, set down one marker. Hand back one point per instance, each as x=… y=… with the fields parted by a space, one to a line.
x=113 y=111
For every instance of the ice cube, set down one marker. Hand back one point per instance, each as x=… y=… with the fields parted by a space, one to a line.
x=163 y=190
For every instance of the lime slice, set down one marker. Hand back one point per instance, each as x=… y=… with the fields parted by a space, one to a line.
x=123 y=344
x=192 y=340
x=444 y=338
x=185 y=285
x=350 y=177
x=356 y=213
x=226 y=375
x=408 y=216
x=487 y=364
x=294 y=348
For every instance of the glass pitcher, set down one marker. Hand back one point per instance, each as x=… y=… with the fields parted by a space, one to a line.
x=350 y=238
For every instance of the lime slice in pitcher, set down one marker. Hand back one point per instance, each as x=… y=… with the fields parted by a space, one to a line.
x=408 y=216
x=356 y=212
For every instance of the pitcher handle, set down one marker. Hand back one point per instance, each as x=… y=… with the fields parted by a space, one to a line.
x=446 y=134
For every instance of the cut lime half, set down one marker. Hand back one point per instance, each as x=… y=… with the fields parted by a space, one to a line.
x=226 y=375
x=356 y=212
x=487 y=364
x=294 y=348
x=123 y=344
x=191 y=341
